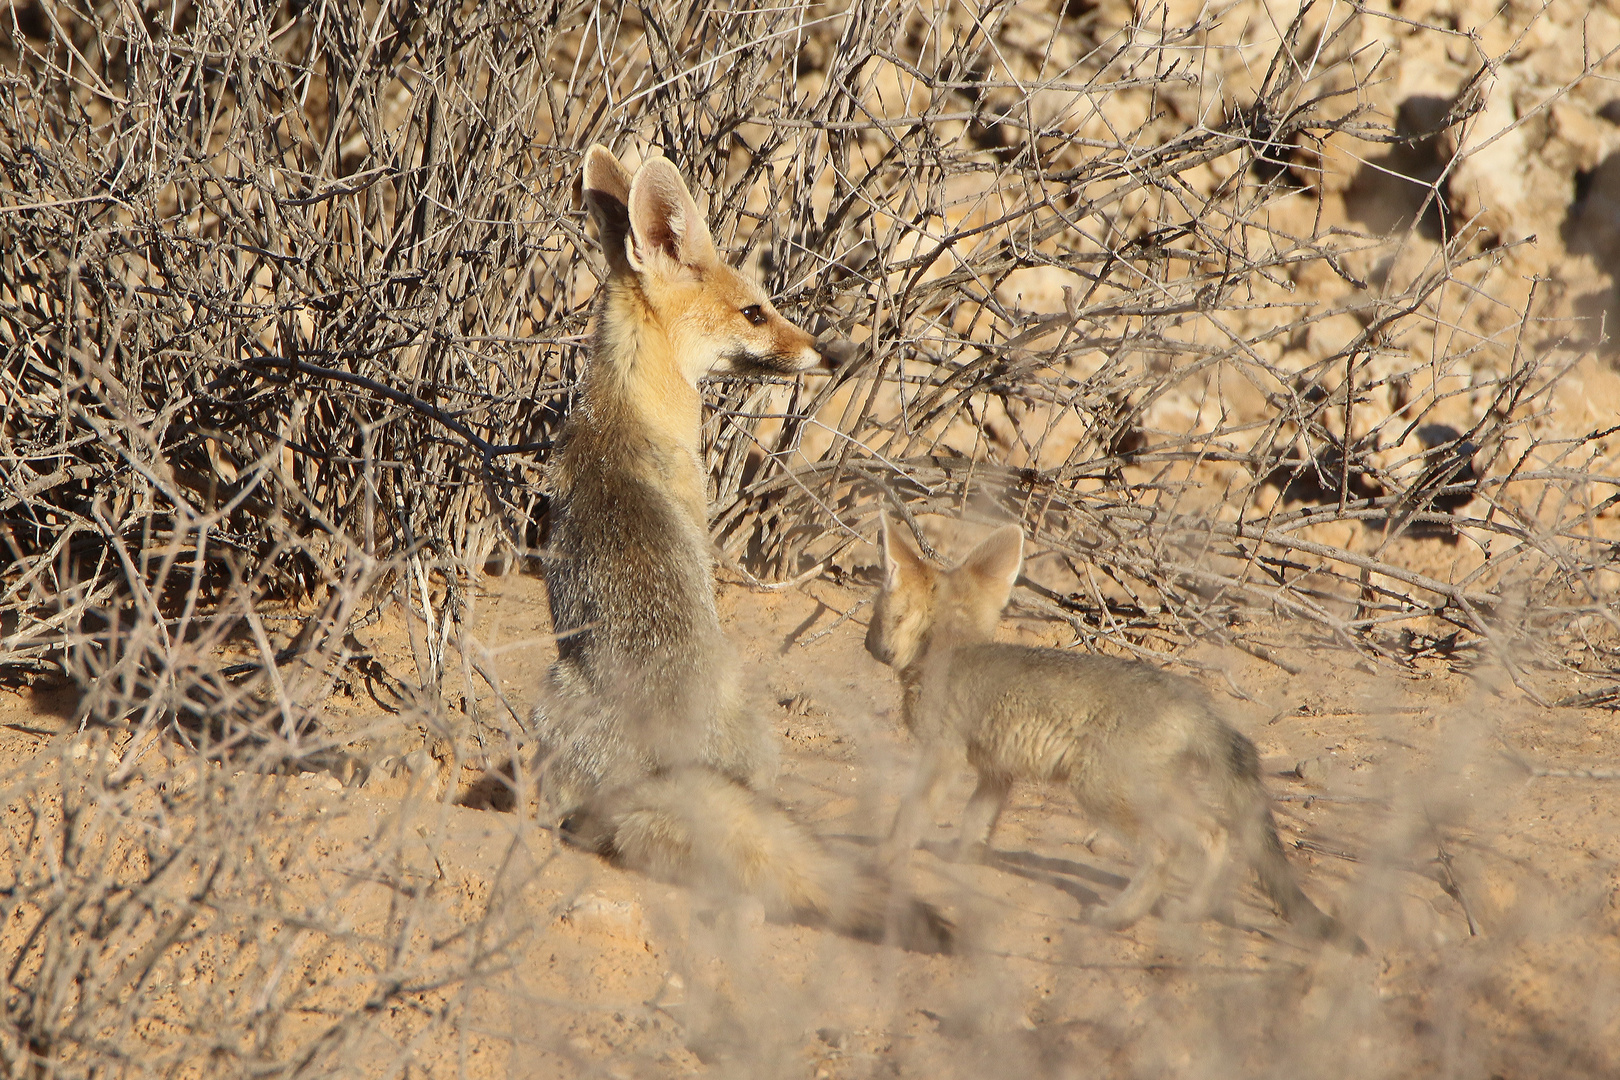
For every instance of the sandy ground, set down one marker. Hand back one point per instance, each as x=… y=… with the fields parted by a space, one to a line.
x=1490 y=898
x=1409 y=800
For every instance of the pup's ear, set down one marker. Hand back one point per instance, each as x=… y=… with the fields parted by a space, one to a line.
x=606 y=187
x=667 y=232
x=900 y=563
x=997 y=560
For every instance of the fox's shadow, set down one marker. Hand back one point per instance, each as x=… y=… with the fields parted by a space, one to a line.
x=1057 y=873
x=1060 y=874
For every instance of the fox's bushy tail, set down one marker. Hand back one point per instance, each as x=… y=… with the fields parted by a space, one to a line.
x=699 y=828
x=1237 y=772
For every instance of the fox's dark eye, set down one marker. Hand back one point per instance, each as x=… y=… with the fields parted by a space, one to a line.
x=755 y=314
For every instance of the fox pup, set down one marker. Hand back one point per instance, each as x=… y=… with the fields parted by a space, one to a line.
x=1132 y=742
x=652 y=755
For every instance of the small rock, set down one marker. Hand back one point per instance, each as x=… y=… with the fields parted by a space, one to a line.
x=612 y=918
x=397 y=776
x=1311 y=770
x=798 y=704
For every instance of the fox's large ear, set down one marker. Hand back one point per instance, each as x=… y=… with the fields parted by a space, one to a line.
x=900 y=563
x=606 y=186
x=667 y=232
x=997 y=560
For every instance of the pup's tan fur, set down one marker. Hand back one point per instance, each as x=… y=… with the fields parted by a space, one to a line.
x=1136 y=745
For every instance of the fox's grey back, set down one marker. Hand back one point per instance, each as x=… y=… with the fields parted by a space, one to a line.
x=1027 y=701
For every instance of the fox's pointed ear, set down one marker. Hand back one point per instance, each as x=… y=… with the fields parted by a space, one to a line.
x=667 y=231
x=998 y=559
x=606 y=187
x=900 y=563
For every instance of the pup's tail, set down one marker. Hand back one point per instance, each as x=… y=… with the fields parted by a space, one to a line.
x=697 y=828
x=1238 y=772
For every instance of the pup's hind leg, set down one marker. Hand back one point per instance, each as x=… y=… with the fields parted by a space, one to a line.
x=1152 y=811
x=1211 y=893
x=979 y=819
x=1153 y=871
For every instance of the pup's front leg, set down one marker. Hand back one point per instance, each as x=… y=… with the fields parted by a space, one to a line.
x=918 y=806
x=980 y=817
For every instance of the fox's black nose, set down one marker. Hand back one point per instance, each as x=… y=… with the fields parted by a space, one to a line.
x=836 y=352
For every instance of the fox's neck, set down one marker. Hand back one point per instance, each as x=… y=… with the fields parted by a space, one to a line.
x=931 y=677
x=636 y=374
x=638 y=400
x=924 y=683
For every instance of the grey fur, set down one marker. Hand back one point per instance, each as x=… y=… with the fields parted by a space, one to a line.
x=645 y=678
x=698 y=828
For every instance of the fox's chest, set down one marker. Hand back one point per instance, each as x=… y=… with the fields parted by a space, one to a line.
x=599 y=467
x=681 y=472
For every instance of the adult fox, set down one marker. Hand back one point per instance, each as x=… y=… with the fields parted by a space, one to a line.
x=653 y=756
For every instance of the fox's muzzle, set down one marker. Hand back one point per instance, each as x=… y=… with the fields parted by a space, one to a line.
x=746 y=361
x=836 y=352
x=876 y=644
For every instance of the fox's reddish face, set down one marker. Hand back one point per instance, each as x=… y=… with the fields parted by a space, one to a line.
x=720 y=322
x=717 y=320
